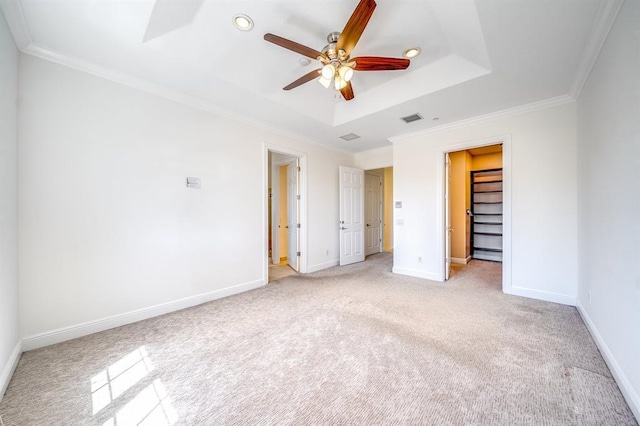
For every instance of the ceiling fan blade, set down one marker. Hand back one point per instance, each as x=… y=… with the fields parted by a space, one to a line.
x=376 y=63
x=347 y=92
x=292 y=45
x=304 y=79
x=356 y=25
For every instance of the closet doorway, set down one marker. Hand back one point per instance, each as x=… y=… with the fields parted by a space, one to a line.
x=474 y=206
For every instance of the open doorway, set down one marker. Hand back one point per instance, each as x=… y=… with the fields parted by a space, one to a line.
x=285 y=214
x=378 y=210
x=475 y=209
x=366 y=213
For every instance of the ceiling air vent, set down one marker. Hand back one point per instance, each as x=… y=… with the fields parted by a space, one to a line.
x=349 y=137
x=412 y=118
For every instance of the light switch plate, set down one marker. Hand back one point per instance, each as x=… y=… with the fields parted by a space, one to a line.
x=398 y=204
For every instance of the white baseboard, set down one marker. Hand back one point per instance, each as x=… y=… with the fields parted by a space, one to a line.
x=9 y=368
x=417 y=273
x=563 y=299
x=460 y=261
x=629 y=393
x=75 y=331
x=321 y=266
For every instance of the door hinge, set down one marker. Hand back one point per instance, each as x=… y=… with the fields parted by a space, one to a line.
x=299 y=226
x=298 y=254
x=299 y=168
x=297 y=197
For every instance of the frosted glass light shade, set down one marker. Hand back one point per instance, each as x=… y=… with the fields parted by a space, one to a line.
x=328 y=71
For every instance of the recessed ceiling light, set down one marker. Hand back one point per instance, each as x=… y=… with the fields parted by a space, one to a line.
x=304 y=62
x=243 y=22
x=412 y=52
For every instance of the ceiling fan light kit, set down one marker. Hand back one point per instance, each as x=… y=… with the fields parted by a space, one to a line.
x=337 y=65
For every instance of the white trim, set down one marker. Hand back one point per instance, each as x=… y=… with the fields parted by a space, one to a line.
x=605 y=17
x=321 y=266
x=562 y=299
x=629 y=393
x=14 y=15
x=155 y=89
x=460 y=261
x=417 y=273
x=510 y=112
x=72 y=332
x=9 y=368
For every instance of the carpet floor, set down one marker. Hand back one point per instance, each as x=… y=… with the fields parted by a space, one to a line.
x=346 y=345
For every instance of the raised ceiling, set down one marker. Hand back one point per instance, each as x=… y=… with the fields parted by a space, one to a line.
x=478 y=57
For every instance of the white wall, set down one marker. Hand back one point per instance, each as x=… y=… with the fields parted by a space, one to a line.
x=543 y=172
x=107 y=226
x=9 y=330
x=378 y=158
x=609 y=201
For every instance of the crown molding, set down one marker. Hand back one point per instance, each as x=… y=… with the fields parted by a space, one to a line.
x=605 y=17
x=510 y=112
x=155 y=89
x=14 y=15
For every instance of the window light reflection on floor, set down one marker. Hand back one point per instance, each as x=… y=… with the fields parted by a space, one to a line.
x=150 y=407
x=112 y=382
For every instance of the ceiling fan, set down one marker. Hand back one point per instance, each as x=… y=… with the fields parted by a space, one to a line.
x=338 y=66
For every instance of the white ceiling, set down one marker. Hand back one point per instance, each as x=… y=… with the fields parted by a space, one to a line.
x=478 y=57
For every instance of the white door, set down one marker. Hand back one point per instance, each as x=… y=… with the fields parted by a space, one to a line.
x=351 y=215
x=293 y=215
x=373 y=215
x=447 y=217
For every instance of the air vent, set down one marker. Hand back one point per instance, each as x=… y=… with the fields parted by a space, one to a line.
x=350 y=137
x=412 y=118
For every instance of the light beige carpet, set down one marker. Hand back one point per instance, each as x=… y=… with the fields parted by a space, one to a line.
x=348 y=345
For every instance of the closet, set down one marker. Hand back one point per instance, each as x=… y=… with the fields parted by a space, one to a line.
x=486 y=214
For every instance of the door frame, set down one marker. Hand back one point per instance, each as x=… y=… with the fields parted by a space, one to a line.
x=302 y=158
x=505 y=140
x=447 y=216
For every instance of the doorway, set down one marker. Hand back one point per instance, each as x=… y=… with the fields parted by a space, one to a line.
x=378 y=200
x=476 y=207
x=285 y=226
x=366 y=213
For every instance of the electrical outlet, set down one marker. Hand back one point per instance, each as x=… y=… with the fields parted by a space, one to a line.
x=327 y=253
x=419 y=259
